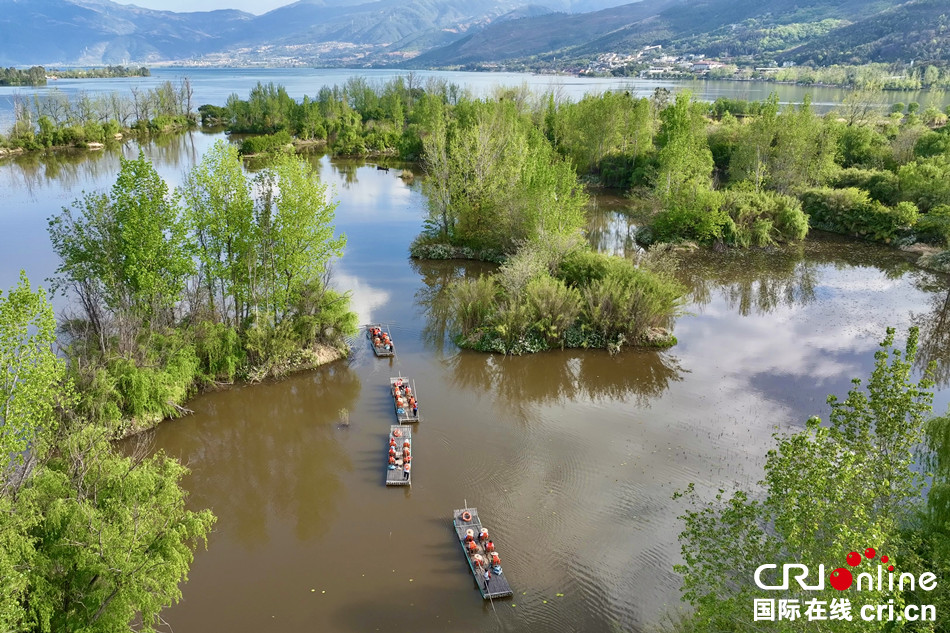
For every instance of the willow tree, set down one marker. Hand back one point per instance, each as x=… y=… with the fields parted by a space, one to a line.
x=495 y=180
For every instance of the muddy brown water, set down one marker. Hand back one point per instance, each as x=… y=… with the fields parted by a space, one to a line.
x=570 y=456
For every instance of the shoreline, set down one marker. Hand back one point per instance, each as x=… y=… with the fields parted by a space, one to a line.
x=315 y=357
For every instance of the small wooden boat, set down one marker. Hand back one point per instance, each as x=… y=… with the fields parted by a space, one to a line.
x=398 y=388
x=383 y=349
x=479 y=550
x=400 y=456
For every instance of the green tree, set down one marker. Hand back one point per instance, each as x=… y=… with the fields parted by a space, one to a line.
x=804 y=149
x=828 y=489
x=113 y=539
x=438 y=185
x=127 y=250
x=751 y=160
x=221 y=219
x=684 y=160
x=294 y=220
x=31 y=376
x=926 y=182
x=29 y=370
x=90 y=540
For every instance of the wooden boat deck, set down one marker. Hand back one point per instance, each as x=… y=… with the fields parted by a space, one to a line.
x=498 y=586
x=379 y=350
x=396 y=476
x=406 y=417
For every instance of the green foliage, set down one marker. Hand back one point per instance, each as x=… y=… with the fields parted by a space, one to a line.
x=926 y=182
x=33 y=76
x=112 y=536
x=604 y=134
x=494 y=180
x=762 y=218
x=212 y=115
x=127 y=255
x=881 y=185
x=684 y=162
x=220 y=216
x=91 y=540
x=269 y=109
x=825 y=488
x=541 y=299
x=933 y=144
x=934 y=227
x=862 y=146
x=703 y=221
x=124 y=252
x=473 y=303
x=554 y=306
x=852 y=212
x=29 y=374
x=294 y=219
x=267 y=143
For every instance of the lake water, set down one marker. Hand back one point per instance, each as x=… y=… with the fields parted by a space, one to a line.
x=214 y=85
x=570 y=457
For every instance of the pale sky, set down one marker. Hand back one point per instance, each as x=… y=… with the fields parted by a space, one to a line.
x=251 y=6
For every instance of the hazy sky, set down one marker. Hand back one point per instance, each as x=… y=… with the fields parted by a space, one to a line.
x=251 y=6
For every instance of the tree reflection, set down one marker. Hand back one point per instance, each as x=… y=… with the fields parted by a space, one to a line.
x=267 y=454
x=612 y=232
x=346 y=169
x=752 y=282
x=935 y=337
x=64 y=169
x=557 y=377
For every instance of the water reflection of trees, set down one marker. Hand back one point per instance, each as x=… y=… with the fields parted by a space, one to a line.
x=65 y=169
x=612 y=232
x=268 y=451
x=935 y=334
x=752 y=282
x=557 y=377
x=74 y=168
x=346 y=169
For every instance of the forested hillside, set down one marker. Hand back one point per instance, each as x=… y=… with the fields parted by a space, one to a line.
x=917 y=30
x=813 y=31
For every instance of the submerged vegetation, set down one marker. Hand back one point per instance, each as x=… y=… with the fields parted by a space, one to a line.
x=208 y=283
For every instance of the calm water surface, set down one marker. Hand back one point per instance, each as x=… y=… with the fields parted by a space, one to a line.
x=571 y=457
x=214 y=85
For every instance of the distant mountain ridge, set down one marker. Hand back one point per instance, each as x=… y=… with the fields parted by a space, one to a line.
x=101 y=32
x=457 y=33
x=709 y=27
x=91 y=32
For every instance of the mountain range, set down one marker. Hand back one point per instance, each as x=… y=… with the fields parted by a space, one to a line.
x=460 y=33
